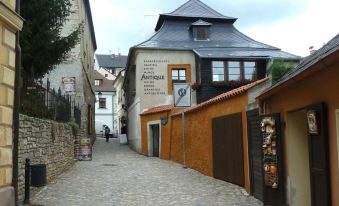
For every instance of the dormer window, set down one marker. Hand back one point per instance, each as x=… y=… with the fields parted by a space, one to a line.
x=200 y=30
x=202 y=33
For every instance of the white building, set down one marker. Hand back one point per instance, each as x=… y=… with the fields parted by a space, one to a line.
x=112 y=67
x=120 y=101
x=105 y=106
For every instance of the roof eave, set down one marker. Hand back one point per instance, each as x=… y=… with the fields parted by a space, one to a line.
x=163 y=17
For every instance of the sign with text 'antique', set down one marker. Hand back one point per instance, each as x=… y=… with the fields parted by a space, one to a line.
x=153 y=77
x=182 y=94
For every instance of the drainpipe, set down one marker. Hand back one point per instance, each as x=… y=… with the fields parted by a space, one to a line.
x=16 y=110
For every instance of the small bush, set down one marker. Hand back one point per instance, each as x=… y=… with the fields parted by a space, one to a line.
x=278 y=69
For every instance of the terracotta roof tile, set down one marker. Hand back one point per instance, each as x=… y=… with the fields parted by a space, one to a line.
x=161 y=108
x=106 y=84
x=223 y=96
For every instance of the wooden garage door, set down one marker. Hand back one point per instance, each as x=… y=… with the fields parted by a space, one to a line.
x=255 y=153
x=228 y=161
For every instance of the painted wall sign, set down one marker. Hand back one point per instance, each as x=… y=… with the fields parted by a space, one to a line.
x=69 y=85
x=153 y=77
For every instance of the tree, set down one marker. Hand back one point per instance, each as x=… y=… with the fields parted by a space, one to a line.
x=278 y=69
x=41 y=41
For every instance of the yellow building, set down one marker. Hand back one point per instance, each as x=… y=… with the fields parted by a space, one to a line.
x=10 y=23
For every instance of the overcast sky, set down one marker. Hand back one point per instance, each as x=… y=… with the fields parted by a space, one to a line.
x=292 y=25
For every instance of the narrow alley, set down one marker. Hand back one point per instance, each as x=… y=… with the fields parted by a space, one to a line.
x=119 y=176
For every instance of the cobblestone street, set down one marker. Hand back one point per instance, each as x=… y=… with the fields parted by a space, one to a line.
x=119 y=176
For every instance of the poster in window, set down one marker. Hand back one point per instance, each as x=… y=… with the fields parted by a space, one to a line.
x=312 y=122
x=69 y=85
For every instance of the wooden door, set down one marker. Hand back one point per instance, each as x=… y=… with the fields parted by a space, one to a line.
x=155 y=132
x=255 y=153
x=318 y=151
x=228 y=161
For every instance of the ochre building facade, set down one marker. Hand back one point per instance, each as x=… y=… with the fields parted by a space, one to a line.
x=10 y=23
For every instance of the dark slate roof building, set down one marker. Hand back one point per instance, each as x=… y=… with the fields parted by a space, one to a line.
x=173 y=31
x=111 y=61
x=214 y=40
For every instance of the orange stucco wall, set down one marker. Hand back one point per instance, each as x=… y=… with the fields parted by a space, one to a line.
x=164 y=130
x=320 y=87
x=198 y=124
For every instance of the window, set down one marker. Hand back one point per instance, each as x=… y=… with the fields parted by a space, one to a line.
x=201 y=33
x=102 y=103
x=218 y=71
x=233 y=71
x=106 y=75
x=178 y=75
x=97 y=82
x=249 y=71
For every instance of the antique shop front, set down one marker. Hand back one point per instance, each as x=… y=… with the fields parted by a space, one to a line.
x=301 y=133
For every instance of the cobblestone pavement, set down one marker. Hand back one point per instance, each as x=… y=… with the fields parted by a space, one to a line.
x=119 y=176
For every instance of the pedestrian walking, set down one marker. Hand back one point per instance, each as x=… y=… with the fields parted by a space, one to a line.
x=107 y=131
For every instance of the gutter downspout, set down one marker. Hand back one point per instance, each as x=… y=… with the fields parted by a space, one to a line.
x=16 y=110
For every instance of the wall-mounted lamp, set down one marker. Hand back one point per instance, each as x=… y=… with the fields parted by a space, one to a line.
x=164 y=120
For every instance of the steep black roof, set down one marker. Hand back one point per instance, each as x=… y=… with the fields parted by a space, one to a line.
x=194 y=10
x=111 y=61
x=224 y=40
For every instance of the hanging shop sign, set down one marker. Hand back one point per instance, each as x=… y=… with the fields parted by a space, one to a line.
x=268 y=127
x=182 y=94
x=85 y=153
x=69 y=85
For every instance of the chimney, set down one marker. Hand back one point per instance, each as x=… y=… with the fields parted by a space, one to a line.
x=312 y=50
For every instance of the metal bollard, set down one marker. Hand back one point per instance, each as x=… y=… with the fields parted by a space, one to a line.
x=27 y=180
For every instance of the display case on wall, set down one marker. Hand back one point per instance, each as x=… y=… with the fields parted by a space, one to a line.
x=272 y=160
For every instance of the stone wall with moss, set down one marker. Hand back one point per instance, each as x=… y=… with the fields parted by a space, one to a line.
x=45 y=142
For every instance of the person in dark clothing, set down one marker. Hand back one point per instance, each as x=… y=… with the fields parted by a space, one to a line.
x=124 y=129
x=107 y=131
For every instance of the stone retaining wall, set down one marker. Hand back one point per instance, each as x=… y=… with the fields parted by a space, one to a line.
x=45 y=142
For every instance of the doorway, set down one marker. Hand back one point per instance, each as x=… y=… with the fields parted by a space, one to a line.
x=228 y=160
x=255 y=142
x=297 y=154
x=154 y=140
x=308 y=136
